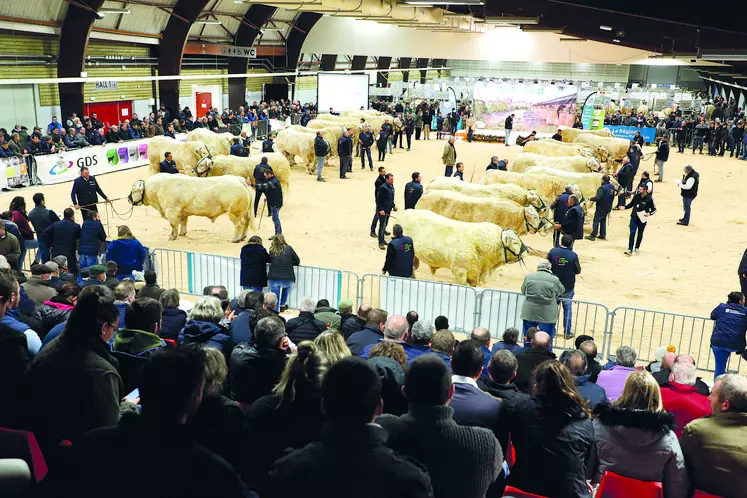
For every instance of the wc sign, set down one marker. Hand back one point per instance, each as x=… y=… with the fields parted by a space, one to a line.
x=245 y=52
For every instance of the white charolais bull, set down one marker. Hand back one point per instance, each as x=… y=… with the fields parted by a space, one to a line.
x=293 y=143
x=578 y=164
x=244 y=167
x=569 y=134
x=501 y=212
x=617 y=148
x=507 y=191
x=177 y=197
x=472 y=251
x=330 y=133
x=547 y=187
x=588 y=182
x=562 y=149
x=221 y=142
x=185 y=154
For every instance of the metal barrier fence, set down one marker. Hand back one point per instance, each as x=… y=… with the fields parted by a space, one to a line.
x=430 y=299
x=190 y=272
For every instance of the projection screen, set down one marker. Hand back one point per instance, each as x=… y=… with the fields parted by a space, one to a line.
x=343 y=92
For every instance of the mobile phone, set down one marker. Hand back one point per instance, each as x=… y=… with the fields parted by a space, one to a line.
x=134 y=394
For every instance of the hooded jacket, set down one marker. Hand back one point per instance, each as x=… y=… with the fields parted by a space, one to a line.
x=129 y=254
x=638 y=444
x=329 y=316
x=91 y=235
x=392 y=377
x=206 y=333
x=51 y=313
x=254 y=371
x=172 y=322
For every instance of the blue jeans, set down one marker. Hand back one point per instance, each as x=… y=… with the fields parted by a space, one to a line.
x=319 y=165
x=275 y=213
x=366 y=151
x=744 y=150
x=686 y=203
x=636 y=226
x=42 y=253
x=567 y=311
x=383 y=220
x=698 y=144
x=277 y=287
x=86 y=261
x=721 y=358
x=544 y=327
x=389 y=143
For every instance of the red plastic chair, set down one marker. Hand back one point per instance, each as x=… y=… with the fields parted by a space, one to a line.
x=517 y=493
x=703 y=494
x=617 y=486
x=23 y=445
x=170 y=342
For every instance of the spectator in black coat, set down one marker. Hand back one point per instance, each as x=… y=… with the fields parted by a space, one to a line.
x=575 y=361
x=171 y=393
x=62 y=237
x=384 y=206
x=528 y=360
x=255 y=369
x=254 y=260
x=172 y=319
x=305 y=327
x=92 y=235
x=501 y=373
x=429 y=434
x=251 y=307
x=290 y=417
x=352 y=454
x=552 y=434
x=14 y=355
x=350 y=324
x=573 y=222
x=371 y=333
x=281 y=275
x=586 y=344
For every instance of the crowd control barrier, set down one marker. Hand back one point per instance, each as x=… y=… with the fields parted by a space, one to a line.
x=465 y=307
x=190 y=272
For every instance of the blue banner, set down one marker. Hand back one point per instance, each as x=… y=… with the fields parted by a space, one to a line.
x=628 y=132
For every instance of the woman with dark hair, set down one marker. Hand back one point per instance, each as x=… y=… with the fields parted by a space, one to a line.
x=59 y=307
x=172 y=318
x=290 y=417
x=254 y=259
x=19 y=216
x=127 y=252
x=552 y=433
x=634 y=437
x=281 y=276
x=73 y=385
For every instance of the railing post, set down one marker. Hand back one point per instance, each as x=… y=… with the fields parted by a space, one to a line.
x=608 y=331
x=477 y=314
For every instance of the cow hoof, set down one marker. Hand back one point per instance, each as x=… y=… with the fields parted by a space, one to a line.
x=173 y=237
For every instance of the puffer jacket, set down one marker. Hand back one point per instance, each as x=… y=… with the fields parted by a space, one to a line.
x=281 y=267
x=637 y=444
x=208 y=334
x=254 y=371
x=51 y=313
x=172 y=322
x=91 y=235
x=129 y=254
x=305 y=327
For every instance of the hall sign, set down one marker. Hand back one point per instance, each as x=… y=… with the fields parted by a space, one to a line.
x=231 y=51
x=107 y=85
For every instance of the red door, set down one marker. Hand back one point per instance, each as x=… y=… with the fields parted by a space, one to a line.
x=110 y=113
x=204 y=101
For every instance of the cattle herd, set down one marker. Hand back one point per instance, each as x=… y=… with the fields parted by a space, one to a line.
x=469 y=228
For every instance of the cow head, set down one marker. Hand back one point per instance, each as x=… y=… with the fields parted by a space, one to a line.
x=137 y=194
x=203 y=166
x=532 y=219
x=593 y=165
x=513 y=247
x=533 y=199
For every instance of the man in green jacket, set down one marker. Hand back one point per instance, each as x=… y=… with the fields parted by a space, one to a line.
x=9 y=245
x=448 y=157
x=714 y=447
x=327 y=314
x=541 y=290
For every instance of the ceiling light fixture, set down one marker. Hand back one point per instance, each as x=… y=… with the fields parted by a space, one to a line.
x=114 y=11
x=203 y=21
x=605 y=28
x=509 y=20
x=444 y=2
x=616 y=40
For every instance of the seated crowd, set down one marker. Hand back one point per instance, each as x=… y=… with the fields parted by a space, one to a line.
x=225 y=397
x=77 y=133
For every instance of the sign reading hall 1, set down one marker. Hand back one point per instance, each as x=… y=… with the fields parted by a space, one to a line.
x=107 y=85
x=230 y=51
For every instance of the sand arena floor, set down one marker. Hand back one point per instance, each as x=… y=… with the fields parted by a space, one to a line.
x=680 y=269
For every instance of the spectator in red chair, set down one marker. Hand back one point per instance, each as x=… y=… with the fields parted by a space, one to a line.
x=171 y=392
x=681 y=397
x=714 y=447
x=634 y=437
x=552 y=434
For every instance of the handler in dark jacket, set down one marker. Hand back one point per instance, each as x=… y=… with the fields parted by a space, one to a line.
x=321 y=149
x=274 y=194
x=305 y=327
x=168 y=165
x=624 y=176
x=366 y=140
x=85 y=192
x=604 y=198
x=559 y=208
x=573 y=221
x=255 y=369
x=384 y=206
x=62 y=236
x=400 y=255
x=259 y=178
x=345 y=151
x=728 y=331
x=495 y=163
x=413 y=191
x=380 y=180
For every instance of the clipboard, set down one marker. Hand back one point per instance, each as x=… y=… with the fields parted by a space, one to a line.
x=642 y=216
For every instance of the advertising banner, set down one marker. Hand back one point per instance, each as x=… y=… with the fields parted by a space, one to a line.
x=538 y=107
x=588 y=110
x=628 y=132
x=16 y=171
x=65 y=166
x=597 y=119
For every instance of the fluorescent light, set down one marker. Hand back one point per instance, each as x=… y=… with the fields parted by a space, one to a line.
x=208 y=22
x=605 y=28
x=616 y=40
x=114 y=11
x=240 y=1
x=444 y=2
x=510 y=20
x=723 y=55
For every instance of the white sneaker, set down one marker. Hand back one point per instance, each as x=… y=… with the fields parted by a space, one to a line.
x=637 y=250
x=628 y=253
